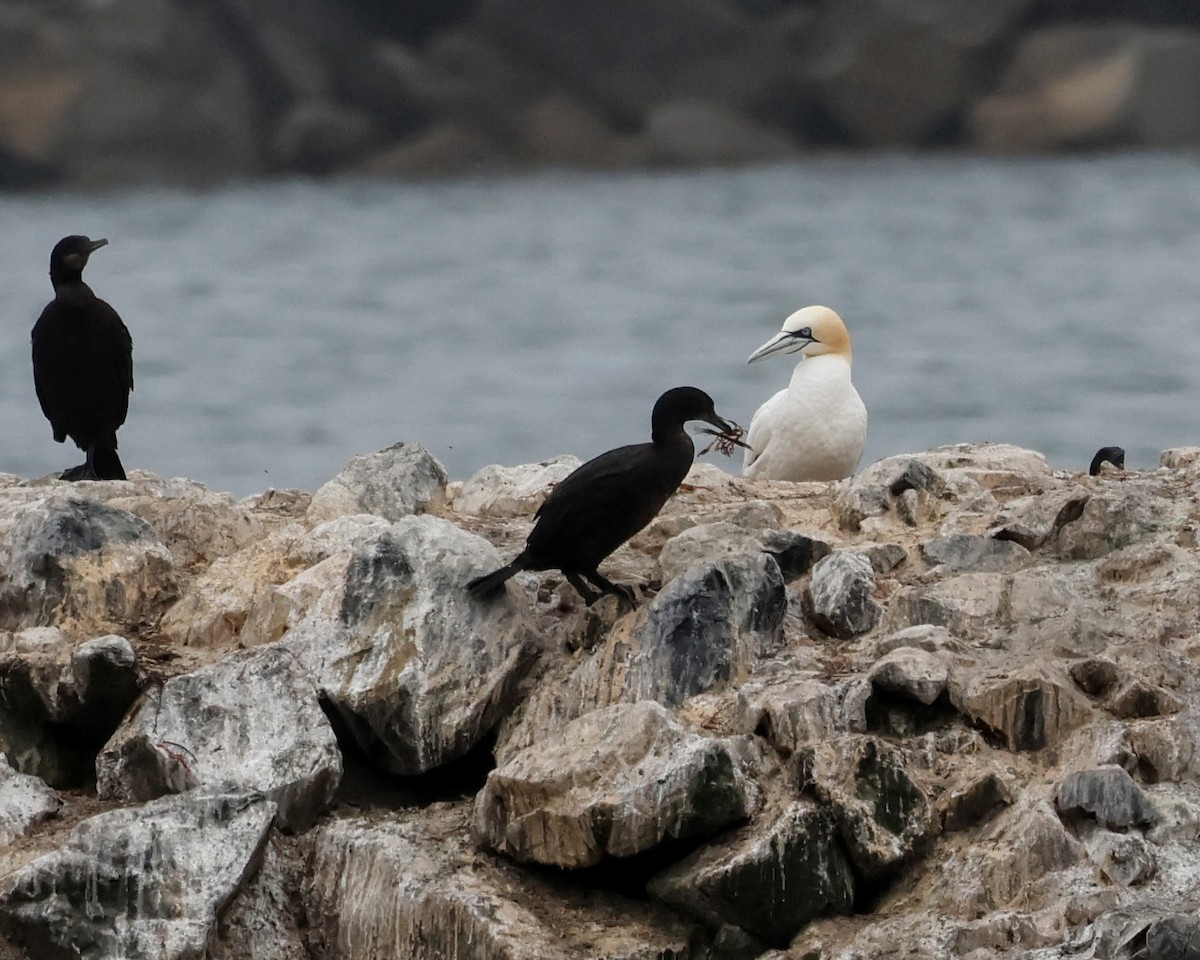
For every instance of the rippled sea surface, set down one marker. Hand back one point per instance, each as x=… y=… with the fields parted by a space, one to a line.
x=280 y=329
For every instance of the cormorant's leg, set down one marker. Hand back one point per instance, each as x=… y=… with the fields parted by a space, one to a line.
x=620 y=589
x=86 y=470
x=589 y=595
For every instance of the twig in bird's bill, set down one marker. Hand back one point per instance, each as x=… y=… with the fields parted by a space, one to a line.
x=725 y=440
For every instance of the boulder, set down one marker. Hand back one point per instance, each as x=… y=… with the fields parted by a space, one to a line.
x=394 y=482
x=769 y=879
x=1107 y=794
x=251 y=723
x=628 y=57
x=25 y=801
x=1026 y=709
x=497 y=491
x=1176 y=937
x=700 y=133
x=791 y=709
x=78 y=564
x=417 y=669
x=962 y=551
x=126 y=92
x=1094 y=85
x=894 y=73
x=883 y=817
x=612 y=783
x=409 y=886
x=840 y=591
x=911 y=673
x=975 y=803
x=707 y=543
x=59 y=701
x=704 y=630
x=148 y=881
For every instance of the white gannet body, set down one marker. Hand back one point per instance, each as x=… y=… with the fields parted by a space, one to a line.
x=815 y=429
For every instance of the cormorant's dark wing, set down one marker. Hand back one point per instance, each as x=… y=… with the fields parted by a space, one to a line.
x=50 y=356
x=115 y=357
x=602 y=504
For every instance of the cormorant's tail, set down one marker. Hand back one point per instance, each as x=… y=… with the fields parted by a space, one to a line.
x=489 y=583
x=108 y=465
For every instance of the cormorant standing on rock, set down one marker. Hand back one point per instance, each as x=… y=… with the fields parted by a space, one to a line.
x=607 y=500
x=82 y=364
x=1113 y=455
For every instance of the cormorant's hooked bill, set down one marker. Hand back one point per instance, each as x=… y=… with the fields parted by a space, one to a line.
x=610 y=498
x=82 y=363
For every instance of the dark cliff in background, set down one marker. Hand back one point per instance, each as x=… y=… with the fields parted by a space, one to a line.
x=179 y=92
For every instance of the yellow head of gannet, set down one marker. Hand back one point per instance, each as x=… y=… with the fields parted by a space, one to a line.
x=815 y=429
x=813 y=331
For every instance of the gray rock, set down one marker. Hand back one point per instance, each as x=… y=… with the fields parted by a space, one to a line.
x=770 y=880
x=1094 y=85
x=912 y=673
x=25 y=801
x=701 y=133
x=1107 y=794
x=682 y=50
x=976 y=803
x=1034 y=520
x=168 y=67
x=708 y=543
x=318 y=136
x=1105 y=524
x=1179 y=458
x=84 y=566
x=613 y=783
x=791 y=710
x=59 y=701
x=497 y=491
x=145 y=882
x=884 y=557
x=1027 y=708
x=961 y=551
x=875 y=490
x=936 y=56
x=1173 y=938
x=250 y=723
x=394 y=482
x=561 y=132
x=1095 y=676
x=841 y=589
x=418 y=670
x=883 y=816
x=1125 y=859
x=410 y=886
x=1139 y=699
x=703 y=631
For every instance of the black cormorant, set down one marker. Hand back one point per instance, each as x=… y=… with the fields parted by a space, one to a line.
x=607 y=500
x=82 y=364
x=1113 y=455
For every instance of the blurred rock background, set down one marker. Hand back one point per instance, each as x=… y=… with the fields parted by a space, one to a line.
x=114 y=91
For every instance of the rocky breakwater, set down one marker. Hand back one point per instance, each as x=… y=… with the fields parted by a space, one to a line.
x=947 y=707
x=183 y=92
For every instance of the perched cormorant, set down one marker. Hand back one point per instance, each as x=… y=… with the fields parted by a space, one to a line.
x=607 y=500
x=82 y=364
x=1113 y=455
x=815 y=429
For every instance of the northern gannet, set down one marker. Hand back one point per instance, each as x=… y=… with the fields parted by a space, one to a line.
x=815 y=429
x=607 y=500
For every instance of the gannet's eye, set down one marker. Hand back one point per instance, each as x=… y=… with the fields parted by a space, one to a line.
x=805 y=332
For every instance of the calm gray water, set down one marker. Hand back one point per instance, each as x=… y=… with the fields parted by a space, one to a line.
x=281 y=329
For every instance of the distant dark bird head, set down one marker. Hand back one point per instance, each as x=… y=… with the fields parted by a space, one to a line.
x=679 y=405
x=1113 y=455
x=70 y=256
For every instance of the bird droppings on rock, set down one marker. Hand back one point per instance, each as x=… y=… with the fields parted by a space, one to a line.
x=936 y=775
